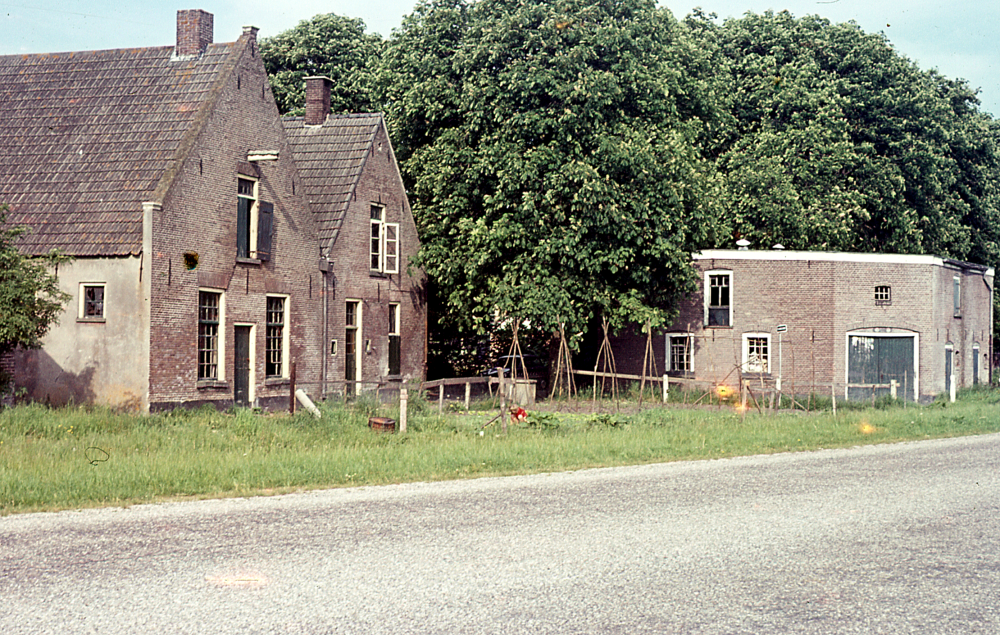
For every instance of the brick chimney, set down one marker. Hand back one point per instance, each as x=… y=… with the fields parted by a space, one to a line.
x=317 y=100
x=194 y=32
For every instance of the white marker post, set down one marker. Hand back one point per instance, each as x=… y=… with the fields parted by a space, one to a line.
x=781 y=329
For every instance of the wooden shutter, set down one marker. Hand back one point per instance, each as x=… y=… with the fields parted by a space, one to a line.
x=243 y=228
x=265 y=227
x=391 y=248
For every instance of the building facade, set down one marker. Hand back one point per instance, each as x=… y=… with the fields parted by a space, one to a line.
x=855 y=324
x=200 y=270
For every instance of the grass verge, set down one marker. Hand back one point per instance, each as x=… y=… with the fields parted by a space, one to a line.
x=69 y=458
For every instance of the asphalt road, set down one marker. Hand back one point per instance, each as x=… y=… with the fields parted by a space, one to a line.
x=882 y=539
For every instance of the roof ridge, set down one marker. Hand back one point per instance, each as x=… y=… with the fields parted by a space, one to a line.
x=44 y=54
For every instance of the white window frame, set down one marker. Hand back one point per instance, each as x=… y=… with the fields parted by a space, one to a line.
x=221 y=352
x=286 y=361
x=253 y=213
x=670 y=356
x=708 y=295
x=384 y=243
x=81 y=315
x=765 y=368
x=390 y=248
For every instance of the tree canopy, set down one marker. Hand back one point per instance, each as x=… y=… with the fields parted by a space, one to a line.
x=840 y=143
x=564 y=157
x=30 y=299
x=552 y=150
x=330 y=45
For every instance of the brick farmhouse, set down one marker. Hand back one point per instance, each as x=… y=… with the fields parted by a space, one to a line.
x=215 y=243
x=847 y=323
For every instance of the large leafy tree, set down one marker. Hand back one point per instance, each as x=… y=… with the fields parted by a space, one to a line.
x=330 y=45
x=552 y=150
x=838 y=142
x=30 y=299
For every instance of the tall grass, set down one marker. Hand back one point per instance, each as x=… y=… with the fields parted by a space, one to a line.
x=80 y=457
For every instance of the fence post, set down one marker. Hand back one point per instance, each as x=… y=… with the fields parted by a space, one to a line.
x=441 y=399
x=503 y=401
x=833 y=394
x=403 y=398
x=892 y=388
x=666 y=387
x=468 y=391
x=291 y=390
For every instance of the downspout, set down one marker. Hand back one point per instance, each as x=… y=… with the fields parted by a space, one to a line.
x=989 y=366
x=324 y=265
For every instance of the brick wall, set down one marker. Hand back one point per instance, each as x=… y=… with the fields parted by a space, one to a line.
x=199 y=217
x=821 y=301
x=380 y=184
x=194 y=32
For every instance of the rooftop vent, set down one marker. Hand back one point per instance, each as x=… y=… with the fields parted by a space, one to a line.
x=778 y=246
x=743 y=244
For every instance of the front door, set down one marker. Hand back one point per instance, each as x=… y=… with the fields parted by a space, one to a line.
x=241 y=374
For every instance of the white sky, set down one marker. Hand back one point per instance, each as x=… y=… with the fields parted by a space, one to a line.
x=958 y=37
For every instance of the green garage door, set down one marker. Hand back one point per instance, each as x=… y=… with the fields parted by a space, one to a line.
x=874 y=361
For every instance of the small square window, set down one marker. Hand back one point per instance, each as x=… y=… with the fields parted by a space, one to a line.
x=92 y=302
x=883 y=296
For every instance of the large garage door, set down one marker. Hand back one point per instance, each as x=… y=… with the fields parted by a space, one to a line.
x=874 y=361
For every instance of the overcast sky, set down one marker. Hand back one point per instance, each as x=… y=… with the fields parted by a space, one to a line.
x=958 y=37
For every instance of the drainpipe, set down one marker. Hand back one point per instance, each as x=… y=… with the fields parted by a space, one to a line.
x=989 y=366
x=324 y=266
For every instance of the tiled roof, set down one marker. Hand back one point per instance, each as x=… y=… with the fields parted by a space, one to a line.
x=85 y=138
x=330 y=159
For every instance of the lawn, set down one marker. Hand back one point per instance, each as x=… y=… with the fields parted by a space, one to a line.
x=68 y=458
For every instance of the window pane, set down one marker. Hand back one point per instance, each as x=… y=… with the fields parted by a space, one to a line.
x=275 y=337
x=208 y=335
x=391 y=248
x=680 y=360
x=93 y=302
x=376 y=246
x=393 y=319
x=718 y=300
x=757 y=355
